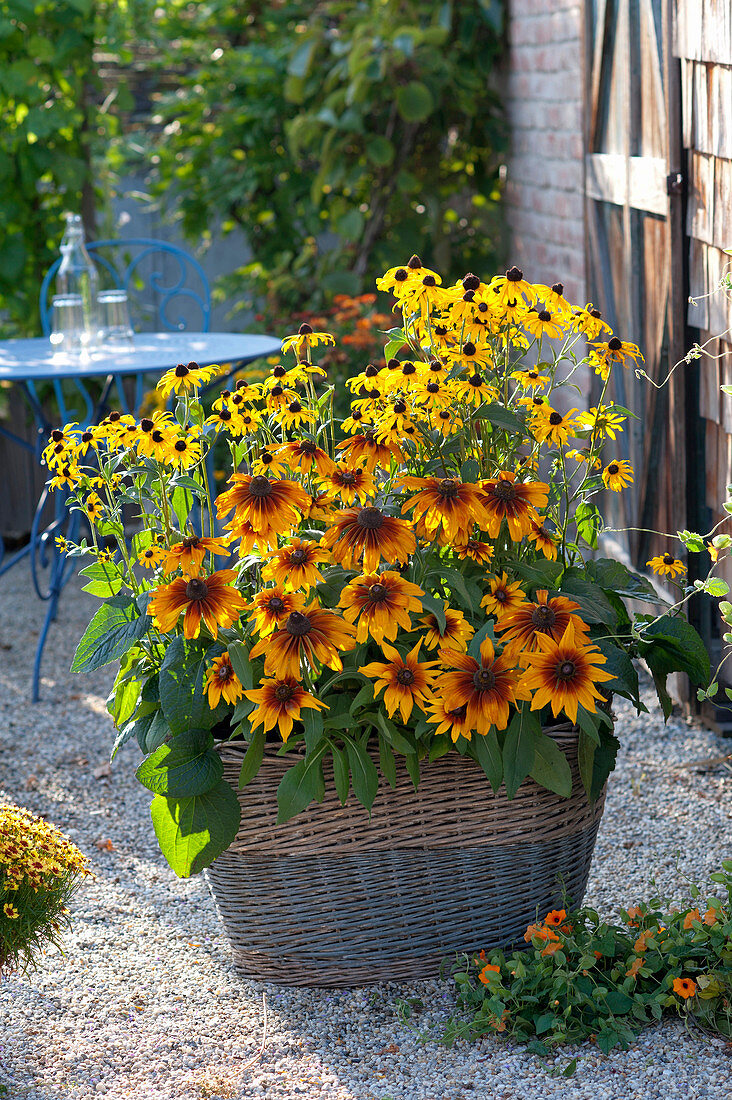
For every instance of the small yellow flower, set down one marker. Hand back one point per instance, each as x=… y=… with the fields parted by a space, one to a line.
x=10 y=911
x=617 y=475
x=666 y=565
x=185 y=377
x=305 y=338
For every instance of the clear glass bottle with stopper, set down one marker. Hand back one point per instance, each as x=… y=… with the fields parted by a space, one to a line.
x=77 y=279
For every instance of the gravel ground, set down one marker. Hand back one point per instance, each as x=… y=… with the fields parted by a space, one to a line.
x=146 y=1003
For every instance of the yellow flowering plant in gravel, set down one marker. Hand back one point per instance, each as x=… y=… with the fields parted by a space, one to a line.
x=415 y=579
x=39 y=871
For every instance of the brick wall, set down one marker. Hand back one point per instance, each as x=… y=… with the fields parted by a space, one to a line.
x=544 y=182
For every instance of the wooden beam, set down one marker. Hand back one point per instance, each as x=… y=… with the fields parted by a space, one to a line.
x=608 y=180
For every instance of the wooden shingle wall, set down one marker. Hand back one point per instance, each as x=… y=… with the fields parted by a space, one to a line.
x=703 y=42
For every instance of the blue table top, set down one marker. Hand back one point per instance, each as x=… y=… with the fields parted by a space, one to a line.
x=36 y=361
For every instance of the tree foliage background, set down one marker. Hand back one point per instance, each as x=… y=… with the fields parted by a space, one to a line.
x=340 y=136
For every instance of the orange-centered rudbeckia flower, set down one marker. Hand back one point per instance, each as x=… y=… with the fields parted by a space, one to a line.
x=269 y=506
x=295 y=565
x=504 y=596
x=486 y=688
x=370 y=532
x=404 y=680
x=516 y=502
x=564 y=674
x=309 y=635
x=457 y=632
x=445 y=508
x=279 y=704
x=549 y=617
x=211 y=598
x=221 y=680
x=381 y=602
x=271 y=607
x=189 y=554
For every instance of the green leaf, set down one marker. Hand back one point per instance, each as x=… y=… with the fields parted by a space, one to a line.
x=540 y=574
x=379 y=150
x=518 y=749
x=603 y=763
x=437 y=607
x=486 y=631
x=104 y=579
x=486 y=752
x=588 y=521
x=152 y=736
x=242 y=666
x=501 y=417
x=544 y=1023
x=414 y=101
x=618 y=1002
x=186 y=765
x=341 y=774
x=613 y=575
x=253 y=757
x=593 y=603
x=622 y=668
x=387 y=763
x=113 y=630
x=182 y=694
x=312 y=720
x=364 y=776
x=192 y=831
x=301 y=785
x=671 y=644
x=392 y=734
x=411 y=763
x=551 y=769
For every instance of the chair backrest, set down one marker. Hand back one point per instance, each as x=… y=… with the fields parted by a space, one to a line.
x=155 y=276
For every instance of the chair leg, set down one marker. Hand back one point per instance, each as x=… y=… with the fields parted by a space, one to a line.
x=50 y=617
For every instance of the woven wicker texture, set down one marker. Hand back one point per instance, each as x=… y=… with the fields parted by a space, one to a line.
x=333 y=899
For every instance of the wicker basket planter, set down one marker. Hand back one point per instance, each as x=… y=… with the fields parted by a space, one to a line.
x=333 y=899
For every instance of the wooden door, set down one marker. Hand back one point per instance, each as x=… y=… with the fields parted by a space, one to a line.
x=634 y=249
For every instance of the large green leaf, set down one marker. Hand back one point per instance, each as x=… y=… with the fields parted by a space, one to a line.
x=253 y=757
x=301 y=785
x=671 y=644
x=501 y=417
x=186 y=765
x=518 y=749
x=414 y=101
x=593 y=603
x=182 y=696
x=192 y=831
x=114 y=629
x=616 y=577
x=550 y=768
x=104 y=579
x=364 y=776
x=484 y=749
x=622 y=668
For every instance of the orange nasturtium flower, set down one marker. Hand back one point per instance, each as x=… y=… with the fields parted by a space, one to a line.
x=684 y=987
x=485 y=975
x=211 y=598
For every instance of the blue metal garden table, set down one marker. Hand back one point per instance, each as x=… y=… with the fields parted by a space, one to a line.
x=28 y=362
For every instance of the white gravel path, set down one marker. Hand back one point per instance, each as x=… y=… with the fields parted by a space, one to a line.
x=146 y=1004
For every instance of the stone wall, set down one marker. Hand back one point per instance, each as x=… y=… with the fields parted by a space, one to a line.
x=544 y=183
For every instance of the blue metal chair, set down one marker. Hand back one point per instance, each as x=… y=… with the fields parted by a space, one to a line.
x=170 y=304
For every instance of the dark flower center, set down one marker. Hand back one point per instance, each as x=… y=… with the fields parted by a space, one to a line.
x=405 y=676
x=305 y=329
x=298 y=624
x=504 y=490
x=266 y=458
x=668 y=559
x=558 y=288
x=157 y=436
x=276 y=604
x=414 y=263
x=433 y=387
x=469 y=348
x=57 y=435
x=613 y=468
x=276 y=391
x=114 y=417
x=501 y=595
x=566 y=670
x=307 y=447
x=298 y=557
x=181 y=371
x=347 y=477
x=146 y=424
x=181 y=445
x=471 y=282
x=225 y=673
x=445 y=415
x=408 y=368
x=400 y=275
x=283 y=693
x=596 y=314
x=196 y=589
x=469 y=296
x=543 y=617
x=514 y=274
x=399 y=407
x=555 y=418
x=449 y=488
x=378 y=592
x=458 y=713
x=544 y=315
x=441 y=330
x=260 y=486
x=294 y=407
x=615 y=344
x=86 y=437
x=476 y=380
x=484 y=679
x=224 y=415
x=370 y=518
x=190 y=543
x=279 y=372
x=429 y=280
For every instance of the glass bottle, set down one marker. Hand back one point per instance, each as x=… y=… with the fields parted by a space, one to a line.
x=78 y=277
